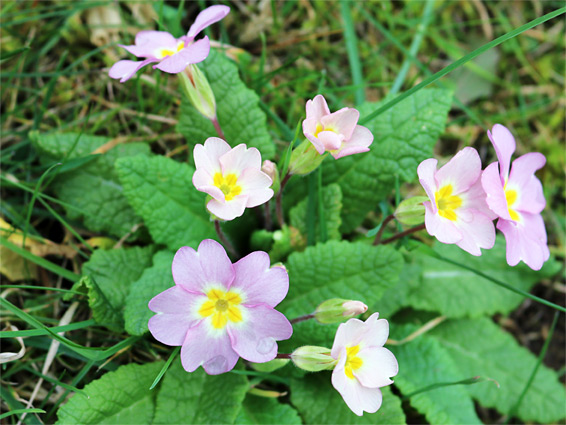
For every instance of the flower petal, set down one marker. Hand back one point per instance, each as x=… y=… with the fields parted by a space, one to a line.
x=426 y=171
x=207 y=156
x=317 y=108
x=476 y=198
x=256 y=184
x=504 y=144
x=125 y=69
x=441 y=228
x=193 y=53
x=256 y=339
x=359 y=142
x=204 y=183
x=228 y=210
x=373 y=332
x=150 y=40
x=378 y=365
x=341 y=122
x=207 y=17
x=477 y=232
x=330 y=140
x=531 y=196
x=258 y=281
x=491 y=183
x=212 y=350
x=462 y=171
x=239 y=158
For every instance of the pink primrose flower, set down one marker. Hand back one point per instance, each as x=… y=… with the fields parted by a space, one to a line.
x=517 y=198
x=363 y=364
x=218 y=311
x=232 y=177
x=457 y=211
x=172 y=55
x=335 y=132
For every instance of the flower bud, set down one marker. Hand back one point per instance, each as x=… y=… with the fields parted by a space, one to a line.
x=270 y=169
x=337 y=310
x=312 y=358
x=411 y=211
x=304 y=159
x=197 y=89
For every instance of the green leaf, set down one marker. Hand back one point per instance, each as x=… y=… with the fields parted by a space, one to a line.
x=261 y=410
x=424 y=362
x=336 y=270
x=198 y=398
x=93 y=189
x=153 y=281
x=319 y=403
x=237 y=109
x=480 y=347
x=332 y=201
x=120 y=397
x=162 y=193
x=114 y=271
x=404 y=136
x=103 y=311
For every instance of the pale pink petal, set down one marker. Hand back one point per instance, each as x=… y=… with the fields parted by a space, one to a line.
x=491 y=183
x=342 y=122
x=151 y=40
x=359 y=142
x=259 y=282
x=193 y=53
x=376 y=331
x=207 y=157
x=330 y=140
x=378 y=365
x=477 y=232
x=525 y=240
x=476 y=198
x=204 y=183
x=239 y=158
x=193 y=270
x=426 y=171
x=462 y=171
x=213 y=350
x=309 y=127
x=316 y=142
x=504 y=144
x=317 y=108
x=207 y=17
x=256 y=184
x=228 y=210
x=170 y=329
x=529 y=188
x=348 y=334
x=255 y=340
x=125 y=69
x=443 y=229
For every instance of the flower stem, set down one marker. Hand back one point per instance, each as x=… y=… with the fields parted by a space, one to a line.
x=377 y=239
x=283 y=356
x=225 y=240
x=403 y=234
x=302 y=318
x=279 y=201
x=267 y=215
x=217 y=127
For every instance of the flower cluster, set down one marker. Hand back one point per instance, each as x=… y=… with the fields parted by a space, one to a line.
x=464 y=201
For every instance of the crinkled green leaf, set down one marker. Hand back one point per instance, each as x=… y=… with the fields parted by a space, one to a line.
x=332 y=202
x=103 y=311
x=319 y=403
x=120 y=397
x=114 y=271
x=261 y=410
x=153 y=281
x=237 y=109
x=94 y=188
x=480 y=347
x=335 y=269
x=424 y=362
x=198 y=398
x=162 y=193
x=403 y=137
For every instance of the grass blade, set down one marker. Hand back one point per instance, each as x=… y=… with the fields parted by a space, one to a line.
x=165 y=367
x=352 y=49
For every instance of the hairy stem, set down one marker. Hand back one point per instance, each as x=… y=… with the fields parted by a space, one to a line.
x=377 y=239
x=225 y=240
x=302 y=318
x=217 y=127
x=403 y=234
x=279 y=201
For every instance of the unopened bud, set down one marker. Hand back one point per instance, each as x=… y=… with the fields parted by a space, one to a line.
x=337 y=310
x=198 y=91
x=270 y=169
x=305 y=159
x=312 y=358
x=411 y=211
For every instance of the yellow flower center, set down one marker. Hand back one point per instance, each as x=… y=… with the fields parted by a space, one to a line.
x=446 y=203
x=511 y=197
x=320 y=128
x=222 y=307
x=228 y=184
x=164 y=52
x=353 y=362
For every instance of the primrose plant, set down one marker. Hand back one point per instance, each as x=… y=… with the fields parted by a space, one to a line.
x=292 y=303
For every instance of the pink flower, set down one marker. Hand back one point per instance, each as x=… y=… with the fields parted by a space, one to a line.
x=335 y=132
x=218 y=311
x=457 y=211
x=171 y=54
x=233 y=177
x=364 y=365
x=517 y=199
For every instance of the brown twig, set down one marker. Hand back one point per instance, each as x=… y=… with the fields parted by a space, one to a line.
x=283 y=356
x=403 y=234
